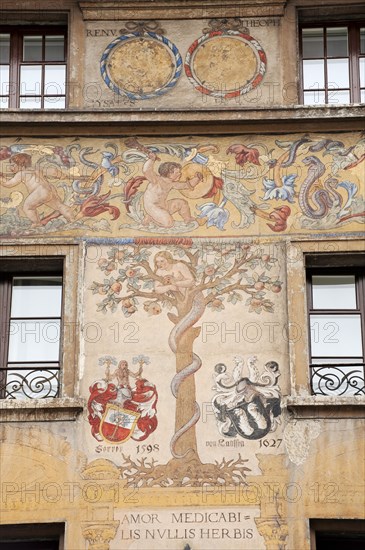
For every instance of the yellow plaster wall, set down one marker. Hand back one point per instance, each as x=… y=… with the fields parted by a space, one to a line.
x=251 y=195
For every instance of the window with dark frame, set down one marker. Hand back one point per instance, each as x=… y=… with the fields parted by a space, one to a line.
x=337 y=534
x=336 y=307
x=333 y=63
x=33 y=69
x=32 y=536
x=31 y=310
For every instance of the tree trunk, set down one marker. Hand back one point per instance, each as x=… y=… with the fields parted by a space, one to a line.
x=185 y=402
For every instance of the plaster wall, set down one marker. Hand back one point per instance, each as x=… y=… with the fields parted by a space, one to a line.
x=186 y=416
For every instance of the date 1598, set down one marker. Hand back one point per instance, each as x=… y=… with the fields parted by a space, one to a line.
x=143 y=449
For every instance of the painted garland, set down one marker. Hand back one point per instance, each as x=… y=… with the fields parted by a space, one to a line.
x=124 y=38
x=247 y=39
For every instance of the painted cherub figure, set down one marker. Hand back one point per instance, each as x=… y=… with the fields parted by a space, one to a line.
x=158 y=209
x=40 y=191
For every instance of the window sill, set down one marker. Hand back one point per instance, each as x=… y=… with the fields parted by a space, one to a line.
x=318 y=406
x=41 y=410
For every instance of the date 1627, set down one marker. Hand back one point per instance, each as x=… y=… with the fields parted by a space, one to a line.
x=270 y=443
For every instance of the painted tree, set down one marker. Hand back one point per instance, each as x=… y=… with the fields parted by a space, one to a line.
x=185 y=278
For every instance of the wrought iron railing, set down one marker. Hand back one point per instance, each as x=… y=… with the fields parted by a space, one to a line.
x=30 y=382
x=339 y=379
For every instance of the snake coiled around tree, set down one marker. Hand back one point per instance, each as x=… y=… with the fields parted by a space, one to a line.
x=194 y=314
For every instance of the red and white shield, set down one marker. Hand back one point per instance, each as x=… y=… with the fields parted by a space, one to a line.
x=117 y=424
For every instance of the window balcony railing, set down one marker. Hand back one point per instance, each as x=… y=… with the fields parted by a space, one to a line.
x=340 y=379
x=33 y=381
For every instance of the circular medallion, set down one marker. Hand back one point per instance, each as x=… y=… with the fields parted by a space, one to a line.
x=225 y=64
x=141 y=65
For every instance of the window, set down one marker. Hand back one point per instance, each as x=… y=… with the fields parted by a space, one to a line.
x=326 y=257
x=333 y=63
x=38 y=345
x=336 y=306
x=37 y=536
x=32 y=304
x=33 y=67
x=337 y=534
x=31 y=323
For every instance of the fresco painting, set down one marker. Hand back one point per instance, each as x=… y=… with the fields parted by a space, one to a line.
x=240 y=186
x=186 y=417
x=183 y=282
x=247 y=406
x=226 y=61
x=118 y=411
x=141 y=63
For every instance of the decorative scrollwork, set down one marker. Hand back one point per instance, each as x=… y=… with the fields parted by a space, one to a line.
x=29 y=383
x=231 y=24
x=338 y=379
x=142 y=27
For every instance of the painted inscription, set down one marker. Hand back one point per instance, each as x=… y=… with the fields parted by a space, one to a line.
x=228 y=528
x=256 y=23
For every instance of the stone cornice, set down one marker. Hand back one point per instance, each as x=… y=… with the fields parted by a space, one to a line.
x=98 y=10
x=326 y=407
x=41 y=410
x=180 y=122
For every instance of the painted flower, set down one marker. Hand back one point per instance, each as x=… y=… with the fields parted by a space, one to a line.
x=351 y=189
x=110 y=359
x=244 y=154
x=216 y=215
x=138 y=359
x=285 y=192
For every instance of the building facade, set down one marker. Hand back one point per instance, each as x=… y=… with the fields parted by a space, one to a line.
x=182 y=274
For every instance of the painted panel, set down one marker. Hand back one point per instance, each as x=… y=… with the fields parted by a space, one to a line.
x=232 y=186
x=183 y=64
x=185 y=366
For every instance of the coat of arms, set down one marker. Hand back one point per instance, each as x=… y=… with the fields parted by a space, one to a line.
x=120 y=411
x=248 y=406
